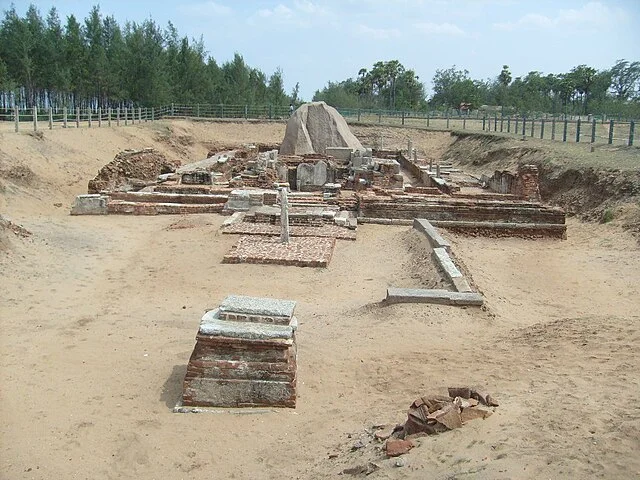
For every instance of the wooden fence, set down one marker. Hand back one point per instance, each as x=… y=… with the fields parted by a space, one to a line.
x=612 y=132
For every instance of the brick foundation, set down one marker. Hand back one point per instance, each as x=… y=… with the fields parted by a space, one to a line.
x=242 y=360
x=299 y=252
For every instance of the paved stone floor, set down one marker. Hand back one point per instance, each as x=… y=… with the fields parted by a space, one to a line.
x=299 y=252
x=329 y=231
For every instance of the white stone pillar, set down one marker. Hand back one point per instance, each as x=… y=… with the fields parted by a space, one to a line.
x=284 y=216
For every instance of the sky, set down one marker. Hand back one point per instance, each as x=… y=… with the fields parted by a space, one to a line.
x=316 y=41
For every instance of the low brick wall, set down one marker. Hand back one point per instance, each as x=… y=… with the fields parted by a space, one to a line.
x=158 y=197
x=446 y=208
x=119 y=207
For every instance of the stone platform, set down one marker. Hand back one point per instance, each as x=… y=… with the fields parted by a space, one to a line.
x=299 y=252
x=265 y=229
x=245 y=356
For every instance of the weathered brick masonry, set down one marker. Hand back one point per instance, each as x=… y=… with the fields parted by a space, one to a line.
x=245 y=356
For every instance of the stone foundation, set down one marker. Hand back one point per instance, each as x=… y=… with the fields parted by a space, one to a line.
x=245 y=356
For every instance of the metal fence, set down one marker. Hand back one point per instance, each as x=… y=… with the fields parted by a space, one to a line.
x=610 y=132
x=592 y=130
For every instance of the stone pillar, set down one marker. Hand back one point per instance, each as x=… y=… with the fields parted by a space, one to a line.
x=284 y=216
x=438 y=170
x=415 y=156
x=409 y=149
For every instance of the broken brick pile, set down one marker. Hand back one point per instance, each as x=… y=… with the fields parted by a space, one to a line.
x=299 y=252
x=245 y=356
x=328 y=231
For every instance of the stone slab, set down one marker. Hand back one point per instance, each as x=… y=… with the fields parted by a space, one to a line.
x=443 y=297
x=92 y=204
x=460 y=284
x=435 y=239
x=258 y=306
x=446 y=264
x=212 y=325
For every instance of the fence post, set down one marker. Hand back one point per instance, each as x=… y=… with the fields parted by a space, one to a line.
x=542 y=129
x=197 y=110
x=533 y=126
x=524 y=125
x=124 y=112
x=172 y=110
x=632 y=127
x=593 y=131
x=501 y=123
x=153 y=114
x=246 y=112
x=99 y=117
x=139 y=114
x=118 y=116
x=464 y=123
x=610 y=132
x=553 y=128
x=77 y=117
x=35 y=118
x=359 y=113
x=578 y=130
x=16 y=116
x=50 y=119
x=448 y=119
x=109 y=116
x=403 y=117
x=484 y=122
x=427 y=119
x=89 y=113
x=495 y=123
x=64 y=117
x=509 y=124
x=564 y=132
x=379 y=117
x=516 y=129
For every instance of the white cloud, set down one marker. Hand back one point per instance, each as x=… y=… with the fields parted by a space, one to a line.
x=377 y=33
x=439 y=28
x=300 y=13
x=206 y=9
x=591 y=14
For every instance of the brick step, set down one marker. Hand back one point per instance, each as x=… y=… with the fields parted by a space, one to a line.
x=120 y=207
x=504 y=229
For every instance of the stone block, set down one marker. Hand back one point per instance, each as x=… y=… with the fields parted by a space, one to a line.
x=443 y=260
x=339 y=153
x=258 y=306
x=435 y=239
x=196 y=178
x=443 y=297
x=92 y=204
x=214 y=392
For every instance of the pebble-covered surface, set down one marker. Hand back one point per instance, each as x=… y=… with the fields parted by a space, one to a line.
x=328 y=231
x=299 y=252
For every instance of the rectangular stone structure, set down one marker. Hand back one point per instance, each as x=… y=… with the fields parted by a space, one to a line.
x=245 y=356
x=91 y=204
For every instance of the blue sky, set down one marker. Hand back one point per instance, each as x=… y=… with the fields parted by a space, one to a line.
x=315 y=41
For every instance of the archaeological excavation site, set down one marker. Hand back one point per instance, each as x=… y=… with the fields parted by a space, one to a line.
x=311 y=298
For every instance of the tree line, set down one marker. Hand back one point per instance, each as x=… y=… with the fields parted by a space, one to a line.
x=583 y=90
x=98 y=63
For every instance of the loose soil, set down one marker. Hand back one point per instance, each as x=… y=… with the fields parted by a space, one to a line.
x=99 y=316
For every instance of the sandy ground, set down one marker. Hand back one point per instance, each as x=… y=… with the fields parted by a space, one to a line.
x=98 y=318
